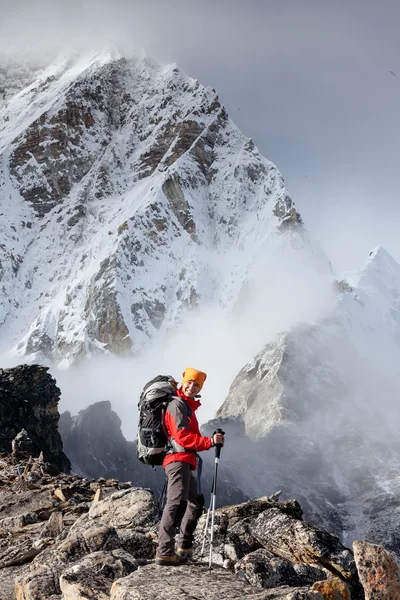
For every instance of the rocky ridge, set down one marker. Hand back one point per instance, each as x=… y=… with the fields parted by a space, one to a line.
x=94 y=442
x=74 y=541
x=64 y=537
x=317 y=411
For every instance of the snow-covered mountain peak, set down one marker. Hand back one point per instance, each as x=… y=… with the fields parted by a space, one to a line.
x=76 y=62
x=380 y=273
x=49 y=86
x=140 y=200
x=377 y=285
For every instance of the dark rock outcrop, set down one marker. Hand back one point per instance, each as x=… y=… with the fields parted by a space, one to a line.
x=29 y=401
x=94 y=442
x=22 y=446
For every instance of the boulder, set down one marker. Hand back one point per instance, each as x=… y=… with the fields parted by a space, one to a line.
x=93 y=576
x=266 y=570
x=54 y=526
x=233 y=537
x=333 y=589
x=127 y=508
x=298 y=542
x=137 y=544
x=278 y=528
x=42 y=582
x=378 y=570
x=19 y=554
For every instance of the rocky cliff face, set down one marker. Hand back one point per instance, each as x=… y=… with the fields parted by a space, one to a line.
x=29 y=402
x=128 y=197
x=319 y=406
x=94 y=443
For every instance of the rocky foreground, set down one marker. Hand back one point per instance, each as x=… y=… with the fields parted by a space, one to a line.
x=63 y=537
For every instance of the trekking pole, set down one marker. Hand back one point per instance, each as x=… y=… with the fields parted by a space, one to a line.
x=211 y=509
x=218 y=449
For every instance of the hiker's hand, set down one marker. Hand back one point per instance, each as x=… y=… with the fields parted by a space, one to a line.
x=218 y=439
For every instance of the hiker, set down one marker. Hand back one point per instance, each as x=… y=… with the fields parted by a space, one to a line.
x=184 y=502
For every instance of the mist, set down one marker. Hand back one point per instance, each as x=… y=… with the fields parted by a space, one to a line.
x=324 y=427
x=216 y=340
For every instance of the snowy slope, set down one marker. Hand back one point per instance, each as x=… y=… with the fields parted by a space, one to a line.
x=322 y=402
x=128 y=197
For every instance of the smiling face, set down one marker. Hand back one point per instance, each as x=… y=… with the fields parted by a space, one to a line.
x=190 y=388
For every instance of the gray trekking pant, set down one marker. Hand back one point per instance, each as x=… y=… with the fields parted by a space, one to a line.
x=182 y=503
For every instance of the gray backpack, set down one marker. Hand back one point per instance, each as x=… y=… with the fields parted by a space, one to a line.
x=152 y=440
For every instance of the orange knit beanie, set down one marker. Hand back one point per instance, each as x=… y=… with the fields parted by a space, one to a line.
x=190 y=374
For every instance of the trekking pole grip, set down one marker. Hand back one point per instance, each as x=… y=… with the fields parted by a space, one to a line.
x=218 y=447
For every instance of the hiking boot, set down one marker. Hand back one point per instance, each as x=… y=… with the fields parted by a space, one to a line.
x=174 y=560
x=188 y=552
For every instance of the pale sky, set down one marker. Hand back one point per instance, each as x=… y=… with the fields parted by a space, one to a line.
x=315 y=83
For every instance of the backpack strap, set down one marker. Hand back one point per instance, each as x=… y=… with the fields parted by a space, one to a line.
x=186 y=410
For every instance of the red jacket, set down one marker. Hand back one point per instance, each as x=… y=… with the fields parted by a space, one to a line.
x=183 y=430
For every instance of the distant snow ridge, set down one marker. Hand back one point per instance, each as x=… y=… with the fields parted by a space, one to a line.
x=127 y=197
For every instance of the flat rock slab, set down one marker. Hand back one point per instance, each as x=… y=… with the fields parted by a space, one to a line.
x=197 y=582
x=298 y=542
